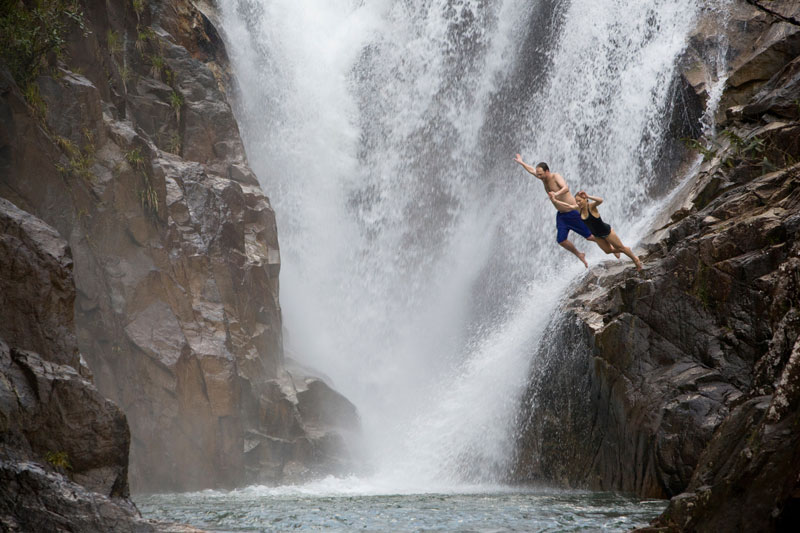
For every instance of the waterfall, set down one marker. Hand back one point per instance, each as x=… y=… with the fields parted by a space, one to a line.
x=420 y=264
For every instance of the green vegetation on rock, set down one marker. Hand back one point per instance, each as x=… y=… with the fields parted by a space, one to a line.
x=174 y=144
x=138 y=8
x=135 y=159
x=176 y=100
x=33 y=29
x=59 y=460
x=34 y=99
x=79 y=159
x=697 y=146
x=114 y=42
x=158 y=64
x=147 y=194
x=144 y=35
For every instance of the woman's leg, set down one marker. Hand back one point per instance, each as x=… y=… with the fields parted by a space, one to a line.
x=604 y=245
x=616 y=243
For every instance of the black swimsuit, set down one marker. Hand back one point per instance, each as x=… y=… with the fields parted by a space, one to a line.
x=596 y=225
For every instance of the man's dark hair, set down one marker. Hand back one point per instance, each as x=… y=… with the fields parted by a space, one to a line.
x=543 y=166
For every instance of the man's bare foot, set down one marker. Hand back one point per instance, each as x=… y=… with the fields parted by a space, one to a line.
x=616 y=254
x=638 y=263
x=582 y=257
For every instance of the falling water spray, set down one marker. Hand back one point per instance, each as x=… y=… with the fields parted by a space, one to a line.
x=419 y=262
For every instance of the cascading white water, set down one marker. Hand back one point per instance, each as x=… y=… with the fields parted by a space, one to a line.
x=419 y=262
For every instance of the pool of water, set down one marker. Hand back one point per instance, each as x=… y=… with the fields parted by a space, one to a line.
x=495 y=510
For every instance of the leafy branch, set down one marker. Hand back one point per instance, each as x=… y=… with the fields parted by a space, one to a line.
x=30 y=31
x=696 y=146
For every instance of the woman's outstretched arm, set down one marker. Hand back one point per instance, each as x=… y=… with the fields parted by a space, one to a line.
x=565 y=204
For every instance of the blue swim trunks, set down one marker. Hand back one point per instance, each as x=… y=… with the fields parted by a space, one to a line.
x=570 y=221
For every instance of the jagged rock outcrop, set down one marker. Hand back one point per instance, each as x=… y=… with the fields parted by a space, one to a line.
x=63 y=447
x=754 y=45
x=138 y=163
x=36 y=499
x=682 y=382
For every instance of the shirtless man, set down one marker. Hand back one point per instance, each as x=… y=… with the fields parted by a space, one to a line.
x=568 y=218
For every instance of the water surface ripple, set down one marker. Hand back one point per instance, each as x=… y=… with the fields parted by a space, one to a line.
x=284 y=509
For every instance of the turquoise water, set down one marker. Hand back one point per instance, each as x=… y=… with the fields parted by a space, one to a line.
x=298 y=509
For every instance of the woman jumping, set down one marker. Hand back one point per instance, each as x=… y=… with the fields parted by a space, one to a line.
x=606 y=238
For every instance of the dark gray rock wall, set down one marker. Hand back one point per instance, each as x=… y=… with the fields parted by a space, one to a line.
x=681 y=381
x=63 y=447
x=36 y=290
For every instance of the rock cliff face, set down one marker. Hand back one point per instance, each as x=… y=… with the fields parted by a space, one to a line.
x=133 y=155
x=63 y=447
x=682 y=382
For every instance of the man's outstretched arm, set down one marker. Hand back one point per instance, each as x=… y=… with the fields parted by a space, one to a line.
x=525 y=165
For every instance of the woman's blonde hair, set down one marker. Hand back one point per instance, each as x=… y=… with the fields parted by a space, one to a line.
x=583 y=195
